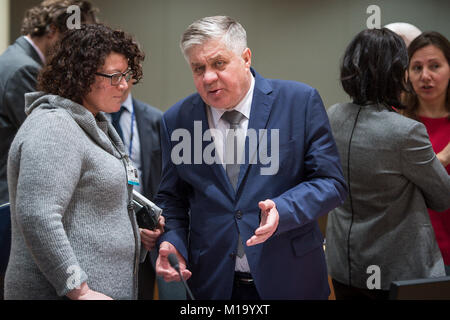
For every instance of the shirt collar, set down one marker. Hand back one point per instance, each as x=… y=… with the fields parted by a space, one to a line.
x=243 y=107
x=39 y=52
x=128 y=103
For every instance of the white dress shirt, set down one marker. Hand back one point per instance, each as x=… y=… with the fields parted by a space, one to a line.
x=125 y=125
x=35 y=47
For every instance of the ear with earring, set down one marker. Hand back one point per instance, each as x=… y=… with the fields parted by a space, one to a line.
x=50 y=30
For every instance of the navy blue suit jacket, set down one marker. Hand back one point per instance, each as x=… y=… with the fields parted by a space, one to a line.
x=148 y=121
x=204 y=214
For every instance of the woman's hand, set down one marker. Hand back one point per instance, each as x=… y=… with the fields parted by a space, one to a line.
x=84 y=293
x=444 y=155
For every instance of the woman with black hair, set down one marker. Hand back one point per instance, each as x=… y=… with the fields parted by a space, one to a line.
x=382 y=233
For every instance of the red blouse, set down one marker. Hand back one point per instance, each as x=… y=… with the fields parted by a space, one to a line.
x=439 y=133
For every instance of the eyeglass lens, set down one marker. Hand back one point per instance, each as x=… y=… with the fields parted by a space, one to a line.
x=116 y=78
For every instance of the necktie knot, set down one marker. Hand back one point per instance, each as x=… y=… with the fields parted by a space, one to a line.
x=233 y=117
x=115 y=116
x=115 y=121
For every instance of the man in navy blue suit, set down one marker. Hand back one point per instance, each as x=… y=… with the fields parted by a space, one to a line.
x=249 y=164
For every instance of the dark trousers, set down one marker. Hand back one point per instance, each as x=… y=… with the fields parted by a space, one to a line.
x=345 y=292
x=146 y=279
x=244 y=287
x=2 y=286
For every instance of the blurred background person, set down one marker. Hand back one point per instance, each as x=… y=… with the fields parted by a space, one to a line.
x=429 y=103
x=406 y=31
x=138 y=125
x=73 y=232
x=42 y=27
x=392 y=174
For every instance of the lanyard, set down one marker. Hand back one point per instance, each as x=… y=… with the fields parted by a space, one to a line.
x=130 y=170
x=130 y=148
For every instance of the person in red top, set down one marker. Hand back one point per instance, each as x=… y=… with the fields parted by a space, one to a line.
x=429 y=103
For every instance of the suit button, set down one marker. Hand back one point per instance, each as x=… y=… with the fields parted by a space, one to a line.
x=239 y=214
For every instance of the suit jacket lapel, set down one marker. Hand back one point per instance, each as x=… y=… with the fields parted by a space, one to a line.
x=199 y=114
x=28 y=48
x=259 y=116
x=145 y=140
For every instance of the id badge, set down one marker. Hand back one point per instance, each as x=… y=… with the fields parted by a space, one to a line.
x=132 y=175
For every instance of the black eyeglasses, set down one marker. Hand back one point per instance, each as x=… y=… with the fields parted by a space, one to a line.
x=117 y=77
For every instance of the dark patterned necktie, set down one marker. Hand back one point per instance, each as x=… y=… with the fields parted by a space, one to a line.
x=115 y=121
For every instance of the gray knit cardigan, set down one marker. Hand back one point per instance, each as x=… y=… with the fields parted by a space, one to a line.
x=69 y=214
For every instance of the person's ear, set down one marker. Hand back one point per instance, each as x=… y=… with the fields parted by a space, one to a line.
x=247 y=57
x=52 y=31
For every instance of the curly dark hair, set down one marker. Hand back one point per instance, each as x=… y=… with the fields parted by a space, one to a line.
x=373 y=68
x=81 y=52
x=37 y=20
x=425 y=39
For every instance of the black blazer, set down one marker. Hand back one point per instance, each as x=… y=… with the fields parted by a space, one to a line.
x=148 y=121
x=19 y=65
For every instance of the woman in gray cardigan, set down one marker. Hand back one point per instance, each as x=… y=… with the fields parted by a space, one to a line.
x=382 y=233
x=73 y=231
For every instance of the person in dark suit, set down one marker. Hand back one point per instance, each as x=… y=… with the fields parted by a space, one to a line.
x=138 y=124
x=243 y=224
x=42 y=27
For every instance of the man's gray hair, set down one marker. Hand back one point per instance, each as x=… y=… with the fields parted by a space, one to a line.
x=221 y=28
